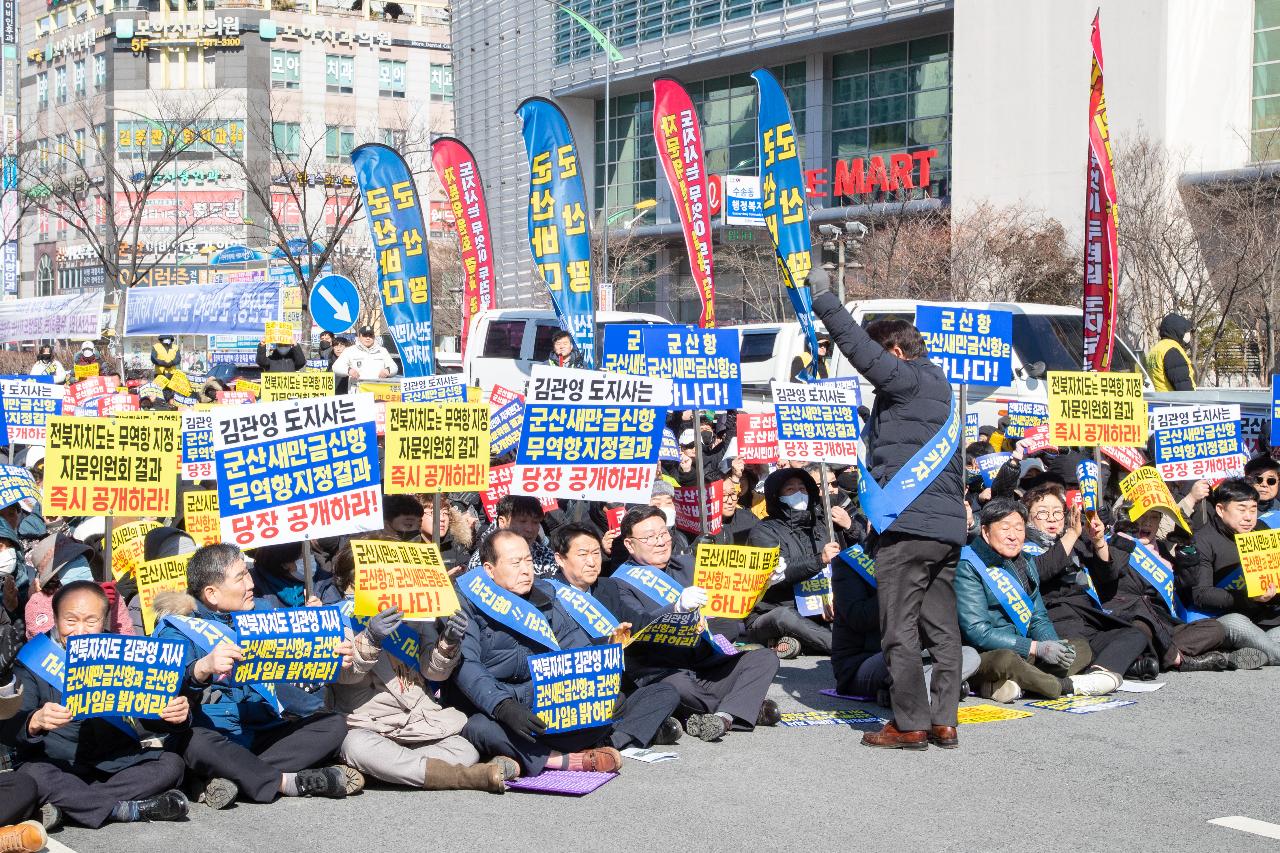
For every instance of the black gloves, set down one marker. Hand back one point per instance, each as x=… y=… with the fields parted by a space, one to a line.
x=10 y=644
x=455 y=628
x=819 y=282
x=1185 y=557
x=519 y=719
x=383 y=625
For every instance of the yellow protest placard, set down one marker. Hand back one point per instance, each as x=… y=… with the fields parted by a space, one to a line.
x=293 y=298
x=1090 y=409
x=156 y=576
x=126 y=546
x=989 y=714
x=200 y=516
x=436 y=447
x=408 y=575
x=1147 y=490
x=244 y=386
x=734 y=576
x=85 y=371
x=383 y=392
x=1259 y=560
x=278 y=333
x=180 y=384
x=295 y=386
x=110 y=466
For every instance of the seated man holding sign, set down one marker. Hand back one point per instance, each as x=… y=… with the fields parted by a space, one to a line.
x=1003 y=615
x=718 y=691
x=1251 y=618
x=239 y=741
x=513 y=622
x=91 y=767
x=397 y=731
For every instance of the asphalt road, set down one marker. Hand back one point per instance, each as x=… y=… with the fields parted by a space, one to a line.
x=1144 y=777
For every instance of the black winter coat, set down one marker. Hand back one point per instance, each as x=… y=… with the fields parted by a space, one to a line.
x=798 y=535
x=1219 y=557
x=855 y=633
x=273 y=361
x=913 y=401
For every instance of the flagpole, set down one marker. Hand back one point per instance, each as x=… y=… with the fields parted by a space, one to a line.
x=607 y=289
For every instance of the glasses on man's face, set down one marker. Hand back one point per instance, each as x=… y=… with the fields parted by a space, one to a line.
x=1049 y=515
x=654 y=538
x=1266 y=481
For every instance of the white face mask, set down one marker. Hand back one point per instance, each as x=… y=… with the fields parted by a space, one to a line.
x=799 y=501
x=670 y=513
x=8 y=561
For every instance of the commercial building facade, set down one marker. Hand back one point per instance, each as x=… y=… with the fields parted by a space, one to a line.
x=898 y=105
x=253 y=92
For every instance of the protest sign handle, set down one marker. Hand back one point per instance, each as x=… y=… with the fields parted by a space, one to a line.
x=826 y=502
x=106 y=547
x=308 y=582
x=702 y=480
x=964 y=420
x=435 y=518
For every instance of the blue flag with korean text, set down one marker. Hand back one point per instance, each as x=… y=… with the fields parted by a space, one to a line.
x=558 y=215
x=399 y=234
x=786 y=213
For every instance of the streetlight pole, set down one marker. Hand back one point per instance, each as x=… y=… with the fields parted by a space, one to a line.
x=606 y=288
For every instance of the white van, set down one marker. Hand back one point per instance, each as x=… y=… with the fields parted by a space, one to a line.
x=1045 y=337
x=505 y=343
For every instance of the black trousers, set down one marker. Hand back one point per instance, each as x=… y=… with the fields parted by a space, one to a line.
x=735 y=684
x=287 y=748
x=785 y=621
x=1189 y=640
x=635 y=721
x=19 y=797
x=916 y=587
x=89 y=798
x=1117 y=648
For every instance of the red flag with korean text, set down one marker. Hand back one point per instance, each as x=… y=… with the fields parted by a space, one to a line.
x=679 y=140
x=456 y=167
x=1101 y=226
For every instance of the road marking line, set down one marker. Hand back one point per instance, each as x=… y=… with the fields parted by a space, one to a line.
x=1248 y=824
x=54 y=846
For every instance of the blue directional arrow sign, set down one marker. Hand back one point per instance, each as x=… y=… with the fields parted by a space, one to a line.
x=334 y=303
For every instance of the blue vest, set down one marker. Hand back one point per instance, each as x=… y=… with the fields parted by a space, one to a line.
x=586 y=610
x=1152 y=570
x=506 y=609
x=883 y=504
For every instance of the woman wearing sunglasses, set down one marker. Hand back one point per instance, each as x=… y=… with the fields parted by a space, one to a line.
x=1264 y=473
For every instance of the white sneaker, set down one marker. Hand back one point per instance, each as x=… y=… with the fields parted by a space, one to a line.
x=1000 y=691
x=1096 y=682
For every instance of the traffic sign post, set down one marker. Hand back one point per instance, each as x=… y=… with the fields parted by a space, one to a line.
x=334 y=303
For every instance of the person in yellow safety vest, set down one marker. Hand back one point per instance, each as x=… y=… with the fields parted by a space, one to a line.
x=1168 y=364
x=165 y=356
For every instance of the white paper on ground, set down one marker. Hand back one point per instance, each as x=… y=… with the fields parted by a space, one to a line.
x=1140 y=686
x=648 y=756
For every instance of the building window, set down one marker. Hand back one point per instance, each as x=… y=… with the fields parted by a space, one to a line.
x=99 y=71
x=441 y=83
x=79 y=145
x=287 y=136
x=1266 y=80
x=286 y=69
x=340 y=73
x=894 y=99
x=727 y=111
x=60 y=84
x=42 y=90
x=99 y=143
x=393 y=138
x=44 y=276
x=338 y=142
x=391 y=78
x=81 y=78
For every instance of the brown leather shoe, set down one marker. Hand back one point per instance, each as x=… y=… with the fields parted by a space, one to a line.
x=890 y=738
x=944 y=736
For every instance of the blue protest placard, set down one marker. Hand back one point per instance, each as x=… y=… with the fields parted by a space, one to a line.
x=623 y=349
x=989 y=464
x=295 y=644
x=576 y=689
x=704 y=364
x=298 y=469
x=1024 y=416
x=971 y=427
x=682 y=630
x=1087 y=476
x=110 y=675
x=232 y=308
x=809 y=594
x=817 y=422
x=1197 y=442
x=197 y=446
x=590 y=435
x=670 y=451
x=504 y=427
x=973 y=346
x=28 y=403
x=17 y=485
x=444 y=388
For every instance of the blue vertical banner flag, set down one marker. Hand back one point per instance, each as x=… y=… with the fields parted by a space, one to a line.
x=399 y=234
x=558 y=219
x=786 y=213
x=1275 y=411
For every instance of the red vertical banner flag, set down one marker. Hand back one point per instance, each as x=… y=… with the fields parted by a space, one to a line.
x=456 y=167
x=679 y=139
x=1101 y=226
